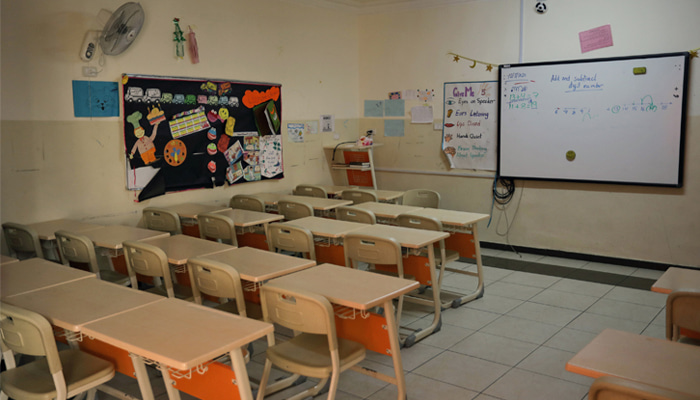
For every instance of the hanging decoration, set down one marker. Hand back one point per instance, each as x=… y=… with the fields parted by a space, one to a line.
x=194 y=50
x=489 y=66
x=179 y=39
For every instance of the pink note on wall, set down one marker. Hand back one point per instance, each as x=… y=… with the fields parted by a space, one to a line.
x=595 y=38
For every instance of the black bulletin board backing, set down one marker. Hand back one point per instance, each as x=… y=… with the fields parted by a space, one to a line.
x=191 y=133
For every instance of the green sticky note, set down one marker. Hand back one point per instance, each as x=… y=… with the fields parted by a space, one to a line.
x=639 y=70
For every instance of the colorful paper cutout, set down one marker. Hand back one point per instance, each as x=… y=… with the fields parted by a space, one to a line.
x=188 y=122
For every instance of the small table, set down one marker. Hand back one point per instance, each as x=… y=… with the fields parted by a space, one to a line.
x=387 y=213
x=415 y=240
x=5 y=260
x=385 y=196
x=334 y=191
x=35 y=274
x=677 y=278
x=251 y=226
x=328 y=237
x=45 y=230
x=183 y=338
x=322 y=207
x=111 y=237
x=356 y=290
x=657 y=362
x=188 y=215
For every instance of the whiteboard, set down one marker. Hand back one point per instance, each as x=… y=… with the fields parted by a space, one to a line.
x=617 y=120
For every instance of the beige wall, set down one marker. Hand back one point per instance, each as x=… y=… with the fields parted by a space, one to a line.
x=661 y=225
x=328 y=62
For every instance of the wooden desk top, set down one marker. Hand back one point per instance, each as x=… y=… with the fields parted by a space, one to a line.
x=73 y=304
x=318 y=203
x=255 y=265
x=336 y=190
x=384 y=195
x=452 y=217
x=191 y=210
x=36 y=273
x=179 y=248
x=112 y=236
x=176 y=333
x=407 y=237
x=386 y=210
x=677 y=278
x=5 y=260
x=46 y=229
x=658 y=362
x=348 y=287
x=246 y=218
x=270 y=199
x=326 y=227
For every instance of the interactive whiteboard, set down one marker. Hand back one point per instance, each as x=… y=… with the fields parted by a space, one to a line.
x=617 y=120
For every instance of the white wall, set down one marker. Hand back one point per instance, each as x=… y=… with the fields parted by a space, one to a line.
x=409 y=50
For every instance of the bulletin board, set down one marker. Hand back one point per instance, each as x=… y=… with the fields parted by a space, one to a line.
x=189 y=133
x=614 y=120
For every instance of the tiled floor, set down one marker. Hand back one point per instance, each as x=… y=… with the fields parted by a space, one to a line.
x=513 y=343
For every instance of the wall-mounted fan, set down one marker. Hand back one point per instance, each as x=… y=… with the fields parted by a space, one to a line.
x=121 y=29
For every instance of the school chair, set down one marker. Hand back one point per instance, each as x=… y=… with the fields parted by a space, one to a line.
x=353 y=214
x=218 y=280
x=218 y=227
x=310 y=191
x=149 y=260
x=22 y=241
x=294 y=209
x=162 y=219
x=682 y=311
x=442 y=255
x=291 y=238
x=78 y=249
x=358 y=196
x=421 y=198
x=54 y=374
x=317 y=351
x=614 y=388
x=247 y=202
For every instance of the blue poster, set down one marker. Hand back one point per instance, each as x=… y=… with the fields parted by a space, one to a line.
x=374 y=108
x=393 y=127
x=95 y=99
x=394 y=108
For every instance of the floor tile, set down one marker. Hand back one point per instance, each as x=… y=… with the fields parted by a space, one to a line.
x=581 y=287
x=655 y=331
x=570 y=340
x=469 y=318
x=648 y=273
x=596 y=323
x=521 y=329
x=464 y=371
x=519 y=384
x=621 y=309
x=362 y=385
x=579 y=302
x=660 y=318
x=544 y=313
x=552 y=362
x=491 y=274
x=528 y=279
x=505 y=289
x=637 y=296
x=494 y=348
x=493 y=303
x=411 y=358
x=420 y=387
x=448 y=336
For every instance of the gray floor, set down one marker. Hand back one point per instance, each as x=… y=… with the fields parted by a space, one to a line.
x=512 y=344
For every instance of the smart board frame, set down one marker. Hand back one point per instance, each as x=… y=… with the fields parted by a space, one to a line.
x=624 y=125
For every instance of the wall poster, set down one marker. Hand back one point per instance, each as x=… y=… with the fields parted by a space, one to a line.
x=189 y=133
x=469 y=133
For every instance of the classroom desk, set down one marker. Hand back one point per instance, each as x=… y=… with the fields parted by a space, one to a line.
x=111 y=237
x=387 y=213
x=46 y=232
x=322 y=207
x=657 y=362
x=270 y=200
x=183 y=339
x=36 y=273
x=464 y=238
x=425 y=271
x=251 y=226
x=385 y=196
x=354 y=290
x=328 y=237
x=334 y=191
x=5 y=260
x=188 y=215
x=677 y=278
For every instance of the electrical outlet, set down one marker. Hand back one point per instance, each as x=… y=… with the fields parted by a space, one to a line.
x=89 y=71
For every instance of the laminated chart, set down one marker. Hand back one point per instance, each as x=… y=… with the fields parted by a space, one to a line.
x=189 y=122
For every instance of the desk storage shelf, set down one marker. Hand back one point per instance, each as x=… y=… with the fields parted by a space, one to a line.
x=357 y=162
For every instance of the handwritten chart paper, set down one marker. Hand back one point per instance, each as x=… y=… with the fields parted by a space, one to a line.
x=470 y=124
x=595 y=38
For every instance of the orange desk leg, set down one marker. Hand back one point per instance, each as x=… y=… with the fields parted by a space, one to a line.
x=372 y=331
x=463 y=243
x=251 y=239
x=217 y=383
x=331 y=254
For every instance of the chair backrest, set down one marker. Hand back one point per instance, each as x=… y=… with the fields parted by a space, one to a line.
x=291 y=238
x=217 y=226
x=355 y=215
x=299 y=310
x=247 y=202
x=294 y=209
x=614 y=388
x=218 y=280
x=77 y=249
x=419 y=222
x=310 y=191
x=421 y=198
x=22 y=240
x=682 y=311
x=358 y=196
x=372 y=250
x=149 y=260
x=161 y=219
